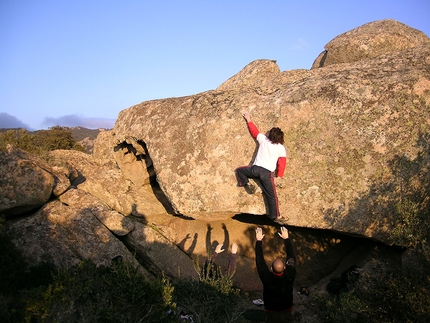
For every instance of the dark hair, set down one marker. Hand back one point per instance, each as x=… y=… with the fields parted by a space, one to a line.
x=276 y=135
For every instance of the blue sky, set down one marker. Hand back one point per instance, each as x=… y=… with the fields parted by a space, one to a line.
x=80 y=62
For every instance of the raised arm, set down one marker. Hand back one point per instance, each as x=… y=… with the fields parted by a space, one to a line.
x=233 y=259
x=218 y=249
x=251 y=126
x=291 y=256
x=259 y=257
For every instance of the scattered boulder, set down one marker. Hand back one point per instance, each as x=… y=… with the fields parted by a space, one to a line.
x=62 y=182
x=369 y=41
x=27 y=182
x=341 y=284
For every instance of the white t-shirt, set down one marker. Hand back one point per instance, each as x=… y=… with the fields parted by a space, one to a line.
x=268 y=153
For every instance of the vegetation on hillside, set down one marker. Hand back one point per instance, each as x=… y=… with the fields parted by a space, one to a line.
x=80 y=133
x=41 y=141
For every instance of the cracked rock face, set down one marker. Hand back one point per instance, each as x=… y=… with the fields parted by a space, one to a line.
x=354 y=131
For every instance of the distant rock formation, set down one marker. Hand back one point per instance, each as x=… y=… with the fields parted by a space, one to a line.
x=162 y=182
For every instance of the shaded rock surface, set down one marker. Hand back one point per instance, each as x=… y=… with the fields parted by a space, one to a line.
x=117 y=223
x=65 y=234
x=151 y=244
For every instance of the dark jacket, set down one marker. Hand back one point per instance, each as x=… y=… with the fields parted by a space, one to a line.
x=277 y=288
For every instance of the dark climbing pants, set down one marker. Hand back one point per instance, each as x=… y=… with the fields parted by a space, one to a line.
x=267 y=185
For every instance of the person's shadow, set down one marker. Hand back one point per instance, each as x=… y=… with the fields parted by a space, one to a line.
x=192 y=247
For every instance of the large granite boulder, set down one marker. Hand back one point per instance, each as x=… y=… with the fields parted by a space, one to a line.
x=28 y=182
x=369 y=41
x=349 y=128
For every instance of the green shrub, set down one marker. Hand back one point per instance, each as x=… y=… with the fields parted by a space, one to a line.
x=389 y=293
x=41 y=141
x=208 y=302
x=20 y=138
x=345 y=308
x=413 y=228
x=87 y=293
x=116 y=293
x=213 y=275
x=211 y=299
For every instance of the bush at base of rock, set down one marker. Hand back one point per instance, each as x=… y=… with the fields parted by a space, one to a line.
x=87 y=293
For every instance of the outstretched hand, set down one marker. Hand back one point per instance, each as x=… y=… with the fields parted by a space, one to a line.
x=234 y=248
x=284 y=233
x=259 y=234
x=246 y=116
x=219 y=248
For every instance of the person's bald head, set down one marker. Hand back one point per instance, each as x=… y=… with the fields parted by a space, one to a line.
x=278 y=266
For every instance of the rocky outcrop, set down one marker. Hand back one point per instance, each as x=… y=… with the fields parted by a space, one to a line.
x=348 y=129
x=369 y=41
x=64 y=234
x=114 y=221
x=254 y=75
x=161 y=184
x=109 y=183
x=77 y=225
x=27 y=182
